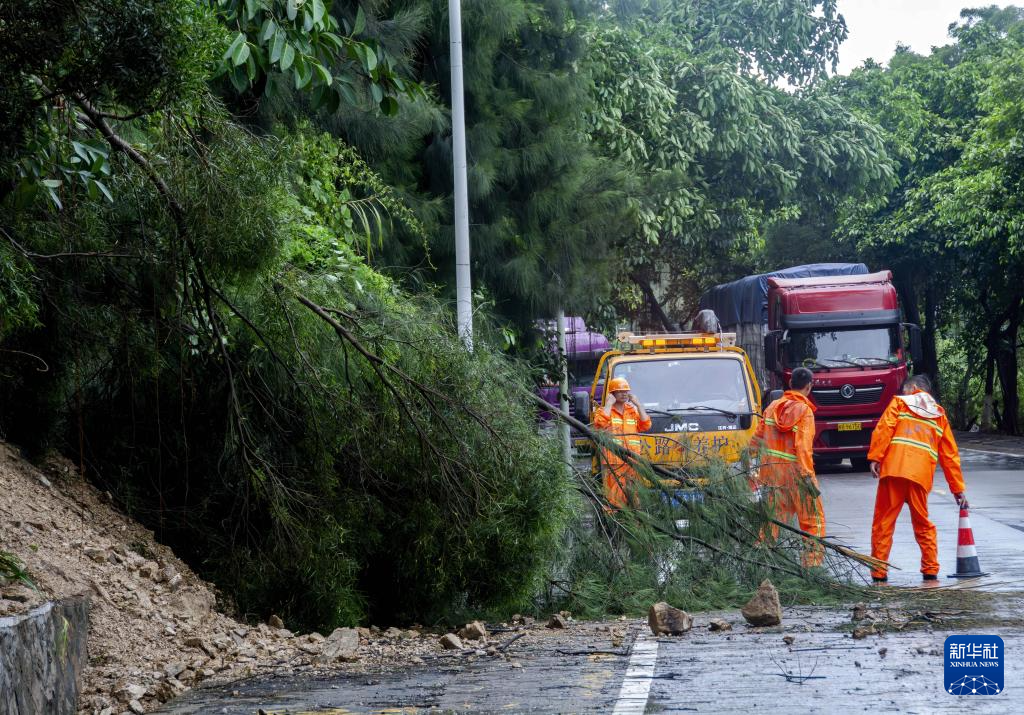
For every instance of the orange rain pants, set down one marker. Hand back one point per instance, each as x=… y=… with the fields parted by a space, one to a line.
x=785 y=440
x=625 y=425
x=893 y=493
x=791 y=502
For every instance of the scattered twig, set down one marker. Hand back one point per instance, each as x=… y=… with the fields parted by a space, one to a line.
x=504 y=646
x=621 y=653
x=790 y=678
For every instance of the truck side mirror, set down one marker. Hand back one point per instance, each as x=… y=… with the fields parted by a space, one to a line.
x=916 y=351
x=771 y=350
x=746 y=421
x=582 y=404
x=770 y=397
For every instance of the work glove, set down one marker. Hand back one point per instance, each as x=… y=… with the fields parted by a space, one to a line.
x=961 y=500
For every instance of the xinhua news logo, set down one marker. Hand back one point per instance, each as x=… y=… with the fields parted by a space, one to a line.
x=974 y=665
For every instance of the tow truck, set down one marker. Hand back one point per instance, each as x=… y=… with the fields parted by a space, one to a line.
x=699 y=390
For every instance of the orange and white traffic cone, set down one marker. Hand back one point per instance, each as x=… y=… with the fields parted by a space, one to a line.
x=967 y=565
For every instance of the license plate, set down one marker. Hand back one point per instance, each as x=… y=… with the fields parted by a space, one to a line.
x=695 y=497
x=850 y=427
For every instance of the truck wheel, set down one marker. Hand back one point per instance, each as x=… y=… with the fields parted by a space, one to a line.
x=860 y=464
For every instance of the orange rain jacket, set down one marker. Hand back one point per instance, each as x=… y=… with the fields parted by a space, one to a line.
x=912 y=436
x=625 y=426
x=786 y=436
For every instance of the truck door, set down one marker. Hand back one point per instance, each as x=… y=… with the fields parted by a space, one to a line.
x=600 y=380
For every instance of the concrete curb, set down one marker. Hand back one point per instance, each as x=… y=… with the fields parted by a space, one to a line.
x=42 y=655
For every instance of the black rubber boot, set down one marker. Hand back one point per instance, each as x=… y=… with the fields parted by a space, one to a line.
x=931 y=577
x=884 y=579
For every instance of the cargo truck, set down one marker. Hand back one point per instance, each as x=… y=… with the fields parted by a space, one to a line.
x=839 y=321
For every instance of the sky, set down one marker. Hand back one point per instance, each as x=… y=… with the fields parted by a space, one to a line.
x=877 y=25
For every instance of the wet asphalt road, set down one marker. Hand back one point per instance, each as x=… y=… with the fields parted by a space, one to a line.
x=717 y=673
x=995 y=490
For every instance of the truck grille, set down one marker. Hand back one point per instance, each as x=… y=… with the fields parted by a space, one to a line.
x=860 y=396
x=835 y=438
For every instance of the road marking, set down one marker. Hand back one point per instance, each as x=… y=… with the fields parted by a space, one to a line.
x=636 y=685
x=998 y=454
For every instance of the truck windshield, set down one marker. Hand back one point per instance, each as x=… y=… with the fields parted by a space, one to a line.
x=860 y=347
x=581 y=372
x=718 y=383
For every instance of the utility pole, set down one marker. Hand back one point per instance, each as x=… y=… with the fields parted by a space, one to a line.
x=463 y=286
x=563 y=390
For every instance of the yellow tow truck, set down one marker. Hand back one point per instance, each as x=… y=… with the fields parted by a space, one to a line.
x=699 y=390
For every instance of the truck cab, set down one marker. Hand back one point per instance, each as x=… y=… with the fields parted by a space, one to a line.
x=847 y=331
x=698 y=388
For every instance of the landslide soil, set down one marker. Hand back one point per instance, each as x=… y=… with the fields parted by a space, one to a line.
x=156 y=629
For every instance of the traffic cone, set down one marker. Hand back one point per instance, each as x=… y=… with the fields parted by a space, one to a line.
x=967 y=565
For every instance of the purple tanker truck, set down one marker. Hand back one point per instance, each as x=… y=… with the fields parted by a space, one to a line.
x=583 y=349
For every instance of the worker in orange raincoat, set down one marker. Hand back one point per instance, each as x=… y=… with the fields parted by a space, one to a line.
x=784 y=439
x=621 y=415
x=912 y=435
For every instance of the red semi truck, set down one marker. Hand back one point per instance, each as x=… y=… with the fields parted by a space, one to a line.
x=844 y=324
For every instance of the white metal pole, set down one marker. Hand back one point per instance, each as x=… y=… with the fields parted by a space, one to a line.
x=463 y=289
x=563 y=390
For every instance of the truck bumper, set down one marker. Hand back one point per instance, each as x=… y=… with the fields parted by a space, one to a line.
x=831 y=441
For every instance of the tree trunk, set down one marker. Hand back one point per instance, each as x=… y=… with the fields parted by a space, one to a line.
x=988 y=402
x=656 y=310
x=912 y=312
x=960 y=407
x=929 y=334
x=1006 y=366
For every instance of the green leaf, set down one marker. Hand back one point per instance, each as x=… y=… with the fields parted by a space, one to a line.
x=287 y=57
x=277 y=47
x=318 y=10
x=251 y=9
x=303 y=73
x=389 y=106
x=370 y=58
x=319 y=96
x=360 y=21
x=325 y=75
x=348 y=94
x=51 y=183
x=376 y=92
x=269 y=29
x=239 y=79
x=54 y=198
x=241 y=54
x=293 y=10
x=233 y=47
x=333 y=40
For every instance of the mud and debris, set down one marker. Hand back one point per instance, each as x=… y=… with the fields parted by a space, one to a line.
x=157 y=630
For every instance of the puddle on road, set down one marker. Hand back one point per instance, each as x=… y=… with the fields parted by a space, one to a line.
x=987 y=460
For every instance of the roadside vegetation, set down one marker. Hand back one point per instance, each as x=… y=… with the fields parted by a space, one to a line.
x=226 y=268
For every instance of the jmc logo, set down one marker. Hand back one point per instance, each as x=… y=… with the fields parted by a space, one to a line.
x=683 y=427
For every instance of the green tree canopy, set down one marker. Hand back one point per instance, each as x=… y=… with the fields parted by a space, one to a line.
x=685 y=99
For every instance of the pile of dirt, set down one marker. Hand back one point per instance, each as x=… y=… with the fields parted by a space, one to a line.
x=155 y=630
